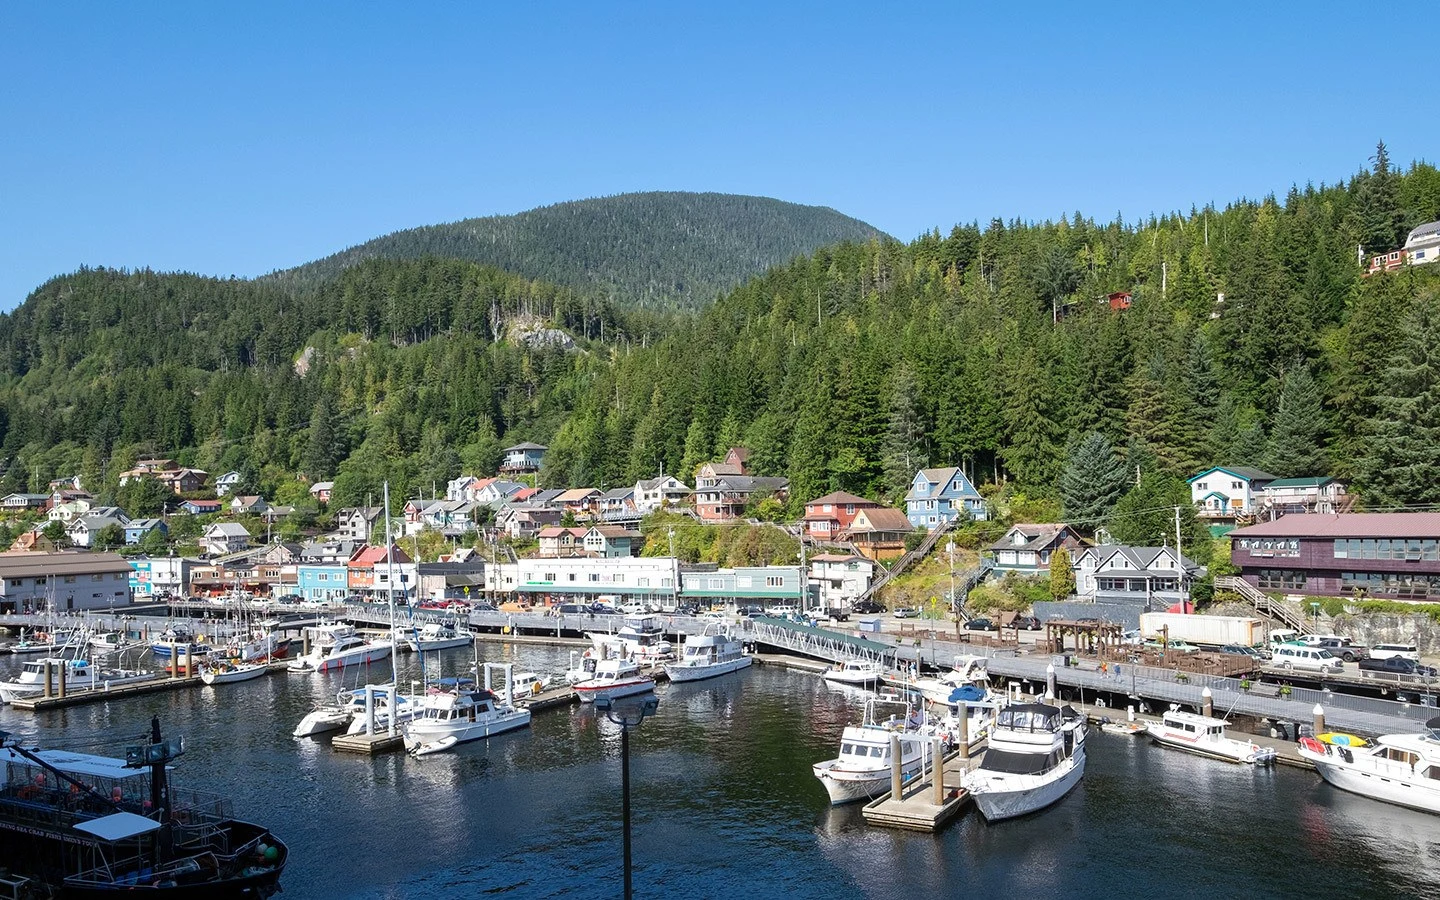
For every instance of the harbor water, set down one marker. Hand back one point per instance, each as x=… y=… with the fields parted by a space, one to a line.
x=725 y=805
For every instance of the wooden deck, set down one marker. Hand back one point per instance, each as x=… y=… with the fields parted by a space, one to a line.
x=915 y=809
x=123 y=691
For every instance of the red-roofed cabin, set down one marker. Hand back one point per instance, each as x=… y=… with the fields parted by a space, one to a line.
x=1119 y=300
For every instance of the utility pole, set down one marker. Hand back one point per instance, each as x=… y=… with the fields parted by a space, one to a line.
x=1180 y=564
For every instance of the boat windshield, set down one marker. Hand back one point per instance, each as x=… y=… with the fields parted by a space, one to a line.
x=1029 y=717
x=1012 y=763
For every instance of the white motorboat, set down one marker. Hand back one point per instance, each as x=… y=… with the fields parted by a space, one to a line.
x=614 y=678
x=461 y=715
x=323 y=719
x=965 y=670
x=1036 y=755
x=1206 y=736
x=337 y=646
x=107 y=641
x=529 y=684
x=437 y=636
x=582 y=665
x=856 y=671
x=408 y=705
x=227 y=672
x=643 y=639
x=80 y=674
x=863 y=769
x=42 y=642
x=706 y=655
x=1403 y=769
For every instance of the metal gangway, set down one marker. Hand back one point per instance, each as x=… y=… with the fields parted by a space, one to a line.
x=819 y=643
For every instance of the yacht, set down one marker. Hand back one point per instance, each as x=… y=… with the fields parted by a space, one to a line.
x=863 y=769
x=80 y=674
x=706 y=655
x=437 y=636
x=1036 y=755
x=965 y=670
x=408 y=706
x=614 y=678
x=226 y=672
x=1206 y=736
x=643 y=638
x=337 y=646
x=856 y=671
x=452 y=717
x=1403 y=769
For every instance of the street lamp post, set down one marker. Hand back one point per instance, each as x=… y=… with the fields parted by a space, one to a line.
x=627 y=716
x=1315 y=615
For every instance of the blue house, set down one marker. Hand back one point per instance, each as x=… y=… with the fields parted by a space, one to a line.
x=938 y=496
x=322 y=581
x=522 y=458
x=137 y=529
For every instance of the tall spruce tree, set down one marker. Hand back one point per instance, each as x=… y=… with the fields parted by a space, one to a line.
x=1298 y=430
x=1402 y=463
x=1093 y=481
x=904 y=438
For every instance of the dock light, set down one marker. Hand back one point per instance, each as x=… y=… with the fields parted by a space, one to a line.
x=627 y=715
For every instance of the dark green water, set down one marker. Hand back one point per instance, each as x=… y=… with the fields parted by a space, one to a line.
x=726 y=806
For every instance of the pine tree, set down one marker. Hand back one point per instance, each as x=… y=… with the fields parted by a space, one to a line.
x=1030 y=453
x=321 y=450
x=1402 y=463
x=1093 y=481
x=904 y=439
x=1297 y=432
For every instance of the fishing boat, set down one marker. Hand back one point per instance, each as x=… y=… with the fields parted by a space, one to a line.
x=529 y=684
x=864 y=768
x=174 y=640
x=964 y=670
x=337 y=646
x=107 y=641
x=1403 y=769
x=81 y=825
x=79 y=674
x=855 y=671
x=1036 y=756
x=1205 y=736
x=51 y=642
x=706 y=655
x=462 y=715
x=442 y=635
x=227 y=672
x=614 y=678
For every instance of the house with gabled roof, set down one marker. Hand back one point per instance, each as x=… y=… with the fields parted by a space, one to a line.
x=841 y=578
x=663 y=492
x=136 y=530
x=370 y=568
x=25 y=501
x=559 y=541
x=1228 y=492
x=320 y=491
x=522 y=459
x=878 y=532
x=611 y=541
x=828 y=516
x=939 y=496
x=524 y=522
x=224 y=484
x=578 y=501
x=224 y=537
x=1026 y=549
x=1148 y=577
x=356 y=522
x=497 y=492
x=83 y=530
x=616 y=503
x=724 y=498
x=201 y=507
x=1318 y=494
x=249 y=505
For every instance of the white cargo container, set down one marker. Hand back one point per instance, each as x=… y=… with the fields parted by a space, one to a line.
x=1211 y=631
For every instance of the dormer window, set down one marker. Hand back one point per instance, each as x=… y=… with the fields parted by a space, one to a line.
x=1018 y=539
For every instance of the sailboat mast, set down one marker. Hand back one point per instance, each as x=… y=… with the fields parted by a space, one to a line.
x=390 y=596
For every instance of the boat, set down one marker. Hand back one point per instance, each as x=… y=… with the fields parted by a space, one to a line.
x=529 y=684
x=337 y=646
x=613 y=679
x=463 y=714
x=582 y=665
x=327 y=717
x=706 y=655
x=226 y=672
x=408 y=706
x=855 y=671
x=863 y=769
x=175 y=639
x=965 y=670
x=643 y=639
x=1205 y=736
x=1403 y=769
x=80 y=674
x=1123 y=729
x=258 y=644
x=81 y=825
x=441 y=635
x=42 y=642
x=108 y=641
x=1036 y=756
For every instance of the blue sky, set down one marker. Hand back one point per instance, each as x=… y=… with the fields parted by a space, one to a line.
x=243 y=139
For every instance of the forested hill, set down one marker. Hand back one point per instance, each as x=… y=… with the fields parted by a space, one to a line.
x=653 y=250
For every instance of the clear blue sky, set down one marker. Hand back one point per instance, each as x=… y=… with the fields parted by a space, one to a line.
x=237 y=140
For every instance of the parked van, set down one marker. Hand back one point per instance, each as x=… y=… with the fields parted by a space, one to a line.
x=1386 y=651
x=1313 y=659
x=1281 y=636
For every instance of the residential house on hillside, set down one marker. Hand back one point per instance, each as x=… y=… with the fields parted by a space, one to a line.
x=1149 y=578
x=136 y=530
x=144 y=468
x=1228 y=492
x=618 y=503
x=1421 y=248
x=497 y=492
x=522 y=523
x=224 y=537
x=828 y=516
x=839 y=579
x=460 y=488
x=1381 y=555
x=878 y=532
x=82 y=531
x=664 y=492
x=1026 y=549
x=522 y=459
x=183 y=481
x=66 y=505
x=578 y=502
x=320 y=491
x=356 y=522
x=938 y=496
x=329 y=551
x=724 y=499
x=709 y=474
x=251 y=505
x=449 y=517
x=67 y=483
x=201 y=507
x=33 y=542
x=612 y=541
x=25 y=501
x=557 y=541
x=369 y=572
x=1301 y=495
x=224 y=484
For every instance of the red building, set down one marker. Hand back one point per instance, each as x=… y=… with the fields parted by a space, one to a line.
x=826 y=517
x=1119 y=300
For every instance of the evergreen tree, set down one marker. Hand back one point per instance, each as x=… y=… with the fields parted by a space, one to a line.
x=1031 y=451
x=1062 y=575
x=1381 y=220
x=1297 y=436
x=904 y=439
x=1146 y=517
x=1093 y=481
x=322 y=451
x=1402 y=463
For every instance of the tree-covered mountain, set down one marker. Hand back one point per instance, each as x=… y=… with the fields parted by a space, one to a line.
x=652 y=250
x=1251 y=339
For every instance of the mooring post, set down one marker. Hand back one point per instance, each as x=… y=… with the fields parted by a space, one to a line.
x=1207 y=703
x=49 y=674
x=1050 y=682
x=1319 y=712
x=896 y=765
x=964 y=709
x=937 y=769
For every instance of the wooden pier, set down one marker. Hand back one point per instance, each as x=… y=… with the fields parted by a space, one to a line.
x=920 y=807
x=103 y=694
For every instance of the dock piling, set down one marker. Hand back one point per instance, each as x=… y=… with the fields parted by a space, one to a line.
x=964 y=729
x=49 y=674
x=937 y=769
x=1050 y=682
x=896 y=766
x=1319 y=713
x=1207 y=703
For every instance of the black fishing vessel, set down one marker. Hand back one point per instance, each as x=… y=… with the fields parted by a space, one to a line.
x=77 y=825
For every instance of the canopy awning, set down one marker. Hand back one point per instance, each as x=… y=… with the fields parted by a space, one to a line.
x=118 y=826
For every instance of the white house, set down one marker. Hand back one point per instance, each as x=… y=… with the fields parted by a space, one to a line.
x=70 y=510
x=224 y=537
x=355 y=523
x=1302 y=495
x=1225 y=492
x=497 y=491
x=1149 y=575
x=1026 y=548
x=611 y=541
x=320 y=491
x=461 y=488
x=224 y=484
x=665 y=492
x=83 y=530
x=838 y=579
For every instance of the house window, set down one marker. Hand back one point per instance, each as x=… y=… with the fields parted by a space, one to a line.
x=743 y=581
x=849 y=509
x=717 y=584
x=1419 y=254
x=1236 y=485
x=572 y=576
x=642 y=582
x=1201 y=486
x=774 y=580
x=1341 y=550
x=1282 y=579
x=92 y=578
x=826 y=508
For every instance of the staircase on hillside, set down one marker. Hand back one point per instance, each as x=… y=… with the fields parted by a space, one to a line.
x=904 y=562
x=1261 y=601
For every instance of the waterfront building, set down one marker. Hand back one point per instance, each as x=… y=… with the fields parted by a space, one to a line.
x=611 y=541
x=742 y=585
x=879 y=533
x=582 y=579
x=453 y=580
x=1143 y=577
x=322 y=582
x=839 y=579
x=1383 y=555
x=153 y=576
x=369 y=572
x=74 y=581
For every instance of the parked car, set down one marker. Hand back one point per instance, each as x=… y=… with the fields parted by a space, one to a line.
x=1026 y=623
x=906 y=612
x=1385 y=651
x=1342 y=648
x=981 y=625
x=1243 y=651
x=867 y=608
x=1178 y=646
x=483 y=606
x=749 y=612
x=1397 y=665
x=572 y=609
x=1131 y=638
x=604 y=609
x=838 y=613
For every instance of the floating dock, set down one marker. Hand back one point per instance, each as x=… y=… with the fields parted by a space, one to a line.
x=920 y=807
x=159 y=684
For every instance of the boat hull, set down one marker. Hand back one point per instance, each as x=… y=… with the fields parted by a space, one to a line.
x=241 y=673
x=320 y=721
x=422 y=732
x=614 y=690
x=1231 y=751
x=358 y=657
x=998 y=803
x=852 y=677
x=680 y=673
x=427 y=646
x=1413 y=795
x=852 y=787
